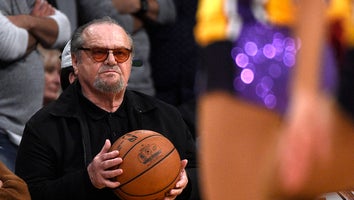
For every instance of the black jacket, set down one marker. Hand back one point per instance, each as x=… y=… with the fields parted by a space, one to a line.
x=55 y=148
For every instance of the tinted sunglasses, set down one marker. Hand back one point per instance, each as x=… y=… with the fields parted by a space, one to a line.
x=100 y=54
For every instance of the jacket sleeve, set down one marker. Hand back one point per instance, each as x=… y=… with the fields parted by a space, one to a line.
x=192 y=190
x=187 y=147
x=13 y=186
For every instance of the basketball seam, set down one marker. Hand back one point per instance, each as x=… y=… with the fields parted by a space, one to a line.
x=134 y=195
x=120 y=186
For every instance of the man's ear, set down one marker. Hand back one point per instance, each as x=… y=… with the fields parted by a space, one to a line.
x=74 y=60
x=72 y=77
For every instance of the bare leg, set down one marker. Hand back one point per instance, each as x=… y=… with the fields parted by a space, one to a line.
x=237 y=146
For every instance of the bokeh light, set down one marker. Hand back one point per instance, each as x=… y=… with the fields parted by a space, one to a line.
x=251 y=48
x=242 y=60
x=247 y=76
x=270 y=101
x=269 y=51
x=264 y=55
x=289 y=59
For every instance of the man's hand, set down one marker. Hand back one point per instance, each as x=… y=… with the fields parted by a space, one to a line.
x=100 y=169
x=42 y=9
x=181 y=184
x=127 y=7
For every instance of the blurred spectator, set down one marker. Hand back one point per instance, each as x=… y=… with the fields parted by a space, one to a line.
x=174 y=55
x=51 y=60
x=174 y=59
x=24 y=25
x=133 y=16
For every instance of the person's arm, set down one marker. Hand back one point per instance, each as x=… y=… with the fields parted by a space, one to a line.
x=50 y=31
x=49 y=26
x=92 y=9
x=148 y=10
x=12 y=186
x=15 y=42
x=64 y=29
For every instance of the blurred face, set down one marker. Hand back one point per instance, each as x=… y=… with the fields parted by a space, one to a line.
x=105 y=59
x=51 y=76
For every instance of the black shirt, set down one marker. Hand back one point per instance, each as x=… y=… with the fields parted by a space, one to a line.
x=104 y=125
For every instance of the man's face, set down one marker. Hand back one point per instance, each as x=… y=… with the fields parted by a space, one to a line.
x=96 y=70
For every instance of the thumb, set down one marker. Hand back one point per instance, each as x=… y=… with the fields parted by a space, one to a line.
x=184 y=163
x=107 y=145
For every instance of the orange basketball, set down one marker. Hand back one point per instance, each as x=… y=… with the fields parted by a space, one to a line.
x=151 y=165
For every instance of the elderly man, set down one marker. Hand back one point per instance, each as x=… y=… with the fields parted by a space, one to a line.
x=65 y=153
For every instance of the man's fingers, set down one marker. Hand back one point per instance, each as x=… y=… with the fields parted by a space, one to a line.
x=109 y=174
x=42 y=9
x=109 y=162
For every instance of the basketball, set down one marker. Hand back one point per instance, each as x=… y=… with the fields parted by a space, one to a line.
x=151 y=165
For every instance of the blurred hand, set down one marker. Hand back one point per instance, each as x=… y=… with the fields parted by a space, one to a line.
x=1 y=184
x=181 y=184
x=100 y=169
x=127 y=7
x=42 y=9
x=305 y=139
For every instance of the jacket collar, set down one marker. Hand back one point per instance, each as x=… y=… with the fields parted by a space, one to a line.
x=67 y=105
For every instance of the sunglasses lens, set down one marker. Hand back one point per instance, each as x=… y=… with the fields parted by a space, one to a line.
x=121 y=55
x=99 y=55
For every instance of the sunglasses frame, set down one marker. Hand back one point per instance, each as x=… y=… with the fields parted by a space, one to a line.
x=114 y=52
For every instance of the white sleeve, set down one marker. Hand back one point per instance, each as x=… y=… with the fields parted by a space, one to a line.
x=64 y=29
x=13 y=40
